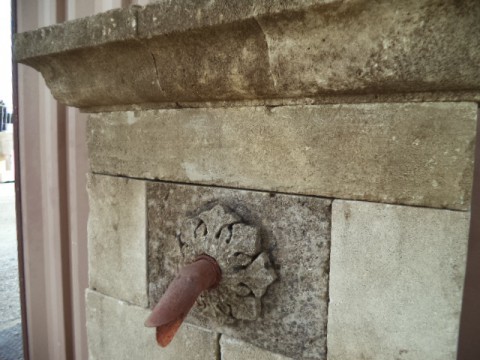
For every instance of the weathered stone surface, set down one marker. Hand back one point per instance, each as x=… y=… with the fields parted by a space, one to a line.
x=162 y=17
x=418 y=154
x=116 y=331
x=396 y=278
x=117 y=238
x=246 y=269
x=233 y=349
x=108 y=27
x=263 y=49
x=294 y=231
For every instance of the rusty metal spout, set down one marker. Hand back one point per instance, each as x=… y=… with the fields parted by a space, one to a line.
x=173 y=307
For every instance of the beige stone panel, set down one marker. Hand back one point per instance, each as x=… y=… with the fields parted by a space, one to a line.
x=116 y=331
x=233 y=349
x=117 y=238
x=396 y=278
x=418 y=154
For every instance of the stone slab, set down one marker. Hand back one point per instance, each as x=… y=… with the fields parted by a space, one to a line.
x=108 y=27
x=233 y=349
x=416 y=154
x=396 y=279
x=117 y=259
x=116 y=331
x=295 y=233
x=263 y=49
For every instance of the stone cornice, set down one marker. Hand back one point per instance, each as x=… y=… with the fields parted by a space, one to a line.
x=208 y=51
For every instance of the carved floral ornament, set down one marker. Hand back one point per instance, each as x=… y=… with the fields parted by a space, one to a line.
x=246 y=269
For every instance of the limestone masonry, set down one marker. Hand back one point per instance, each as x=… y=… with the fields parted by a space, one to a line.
x=322 y=151
x=202 y=51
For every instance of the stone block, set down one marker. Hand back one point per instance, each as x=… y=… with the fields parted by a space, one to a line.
x=417 y=154
x=294 y=235
x=117 y=238
x=396 y=279
x=262 y=49
x=116 y=331
x=233 y=349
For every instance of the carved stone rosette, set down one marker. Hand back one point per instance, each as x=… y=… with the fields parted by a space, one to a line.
x=246 y=270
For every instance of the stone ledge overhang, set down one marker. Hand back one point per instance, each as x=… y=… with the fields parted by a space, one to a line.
x=207 y=51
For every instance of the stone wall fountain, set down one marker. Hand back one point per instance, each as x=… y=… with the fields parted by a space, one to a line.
x=320 y=152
